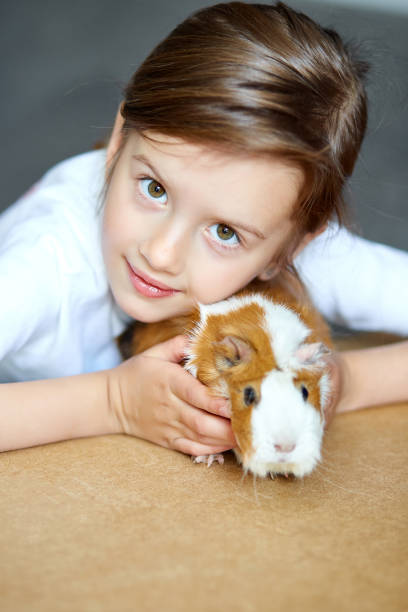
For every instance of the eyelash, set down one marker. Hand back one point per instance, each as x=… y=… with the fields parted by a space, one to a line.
x=219 y=243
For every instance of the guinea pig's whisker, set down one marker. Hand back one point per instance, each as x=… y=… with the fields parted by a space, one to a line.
x=346 y=489
x=255 y=491
x=327 y=468
x=244 y=474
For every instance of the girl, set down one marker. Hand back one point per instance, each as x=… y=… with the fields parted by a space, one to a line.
x=228 y=157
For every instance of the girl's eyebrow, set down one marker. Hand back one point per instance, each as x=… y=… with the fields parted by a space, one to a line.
x=144 y=160
x=247 y=228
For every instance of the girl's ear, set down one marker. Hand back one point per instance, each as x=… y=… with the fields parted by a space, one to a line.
x=115 y=140
x=270 y=271
x=308 y=238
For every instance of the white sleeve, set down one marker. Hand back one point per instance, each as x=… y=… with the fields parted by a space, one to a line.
x=357 y=283
x=29 y=292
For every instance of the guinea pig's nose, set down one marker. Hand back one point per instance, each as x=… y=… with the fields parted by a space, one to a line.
x=285 y=448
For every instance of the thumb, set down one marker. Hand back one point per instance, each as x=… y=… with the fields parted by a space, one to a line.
x=172 y=350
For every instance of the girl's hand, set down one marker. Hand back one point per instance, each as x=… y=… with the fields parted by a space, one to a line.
x=153 y=397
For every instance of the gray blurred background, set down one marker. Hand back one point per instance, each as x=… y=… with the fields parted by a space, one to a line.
x=63 y=67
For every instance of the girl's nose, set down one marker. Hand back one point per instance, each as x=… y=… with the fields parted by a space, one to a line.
x=165 y=249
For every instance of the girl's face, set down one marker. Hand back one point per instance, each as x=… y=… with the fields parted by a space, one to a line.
x=184 y=223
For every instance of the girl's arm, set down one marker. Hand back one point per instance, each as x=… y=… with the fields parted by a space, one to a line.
x=38 y=412
x=367 y=377
x=152 y=397
x=374 y=376
x=149 y=396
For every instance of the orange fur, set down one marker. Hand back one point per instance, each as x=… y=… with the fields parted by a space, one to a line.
x=310 y=379
x=257 y=360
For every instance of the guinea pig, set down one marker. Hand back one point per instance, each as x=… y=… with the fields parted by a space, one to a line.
x=264 y=350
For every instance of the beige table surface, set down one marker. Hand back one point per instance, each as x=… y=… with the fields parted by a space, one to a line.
x=118 y=524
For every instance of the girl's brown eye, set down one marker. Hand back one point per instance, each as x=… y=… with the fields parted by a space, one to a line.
x=152 y=190
x=224 y=232
x=155 y=189
x=224 y=235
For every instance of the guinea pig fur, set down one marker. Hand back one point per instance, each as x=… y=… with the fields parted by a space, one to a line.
x=256 y=353
x=265 y=354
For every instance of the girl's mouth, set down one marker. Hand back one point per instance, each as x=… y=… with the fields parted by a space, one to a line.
x=147 y=286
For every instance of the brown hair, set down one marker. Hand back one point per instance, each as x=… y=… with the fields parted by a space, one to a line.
x=262 y=79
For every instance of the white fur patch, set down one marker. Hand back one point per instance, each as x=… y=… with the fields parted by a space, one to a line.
x=284 y=418
x=286 y=331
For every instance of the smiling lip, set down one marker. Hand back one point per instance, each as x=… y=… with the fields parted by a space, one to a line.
x=148 y=286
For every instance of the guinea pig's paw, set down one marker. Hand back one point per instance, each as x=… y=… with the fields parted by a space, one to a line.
x=209 y=459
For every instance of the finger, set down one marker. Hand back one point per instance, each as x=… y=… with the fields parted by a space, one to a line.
x=172 y=350
x=186 y=386
x=194 y=393
x=205 y=428
x=190 y=447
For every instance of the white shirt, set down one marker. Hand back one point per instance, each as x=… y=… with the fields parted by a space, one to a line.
x=356 y=283
x=57 y=315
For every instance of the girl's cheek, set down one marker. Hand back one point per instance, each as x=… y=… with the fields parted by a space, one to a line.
x=117 y=220
x=208 y=287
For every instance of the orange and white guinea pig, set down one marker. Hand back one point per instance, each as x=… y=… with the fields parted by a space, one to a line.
x=264 y=350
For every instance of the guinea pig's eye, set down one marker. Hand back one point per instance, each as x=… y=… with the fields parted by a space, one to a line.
x=249 y=396
x=305 y=392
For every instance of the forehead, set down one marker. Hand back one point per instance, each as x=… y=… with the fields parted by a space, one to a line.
x=249 y=181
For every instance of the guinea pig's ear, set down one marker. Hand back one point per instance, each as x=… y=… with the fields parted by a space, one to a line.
x=231 y=351
x=310 y=354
